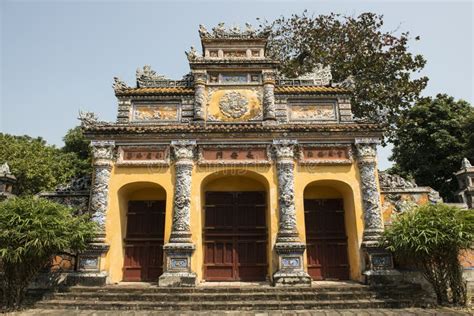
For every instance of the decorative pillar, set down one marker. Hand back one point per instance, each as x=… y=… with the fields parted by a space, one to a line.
x=179 y=249
x=288 y=245
x=89 y=260
x=379 y=262
x=269 y=96
x=200 y=99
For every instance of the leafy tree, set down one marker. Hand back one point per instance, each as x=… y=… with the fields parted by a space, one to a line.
x=432 y=140
x=379 y=61
x=36 y=165
x=434 y=236
x=32 y=230
x=75 y=142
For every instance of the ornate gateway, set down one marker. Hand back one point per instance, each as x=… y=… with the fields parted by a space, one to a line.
x=234 y=173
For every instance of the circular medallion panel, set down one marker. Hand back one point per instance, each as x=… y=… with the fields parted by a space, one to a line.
x=233 y=104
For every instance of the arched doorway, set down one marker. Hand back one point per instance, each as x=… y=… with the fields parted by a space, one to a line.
x=144 y=234
x=326 y=237
x=235 y=229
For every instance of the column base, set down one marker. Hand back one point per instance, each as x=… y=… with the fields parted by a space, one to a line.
x=177 y=279
x=178 y=266
x=86 y=278
x=379 y=267
x=291 y=278
x=290 y=265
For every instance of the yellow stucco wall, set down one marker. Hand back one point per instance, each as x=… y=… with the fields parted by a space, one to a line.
x=128 y=183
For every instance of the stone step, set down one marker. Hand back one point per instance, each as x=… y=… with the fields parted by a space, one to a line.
x=219 y=297
x=220 y=306
x=266 y=289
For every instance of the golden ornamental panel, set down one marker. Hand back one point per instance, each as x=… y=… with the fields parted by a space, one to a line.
x=234 y=104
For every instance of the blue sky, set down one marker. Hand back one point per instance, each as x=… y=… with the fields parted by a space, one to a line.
x=60 y=56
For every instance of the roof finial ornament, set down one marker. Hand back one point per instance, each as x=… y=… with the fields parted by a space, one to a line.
x=5 y=169
x=219 y=30
x=249 y=30
x=203 y=31
x=119 y=85
x=192 y=54
x=88 y=119
x=465 y=163
x=348 y=83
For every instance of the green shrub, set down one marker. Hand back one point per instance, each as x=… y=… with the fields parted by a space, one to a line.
x=32 y=230
x=433 y=236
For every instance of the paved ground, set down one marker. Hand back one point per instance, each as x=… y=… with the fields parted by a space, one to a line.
x=342 y=312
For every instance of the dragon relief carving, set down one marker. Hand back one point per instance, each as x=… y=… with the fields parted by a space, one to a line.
x=233 y=104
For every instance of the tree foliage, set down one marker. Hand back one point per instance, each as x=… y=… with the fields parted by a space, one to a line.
x=434 y=236
x=32 y=230
x=36 y=165
x=379 y=61
x=431 y=141
x=75 y=142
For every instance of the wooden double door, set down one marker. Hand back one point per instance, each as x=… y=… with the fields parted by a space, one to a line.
x=326 y=240
x=235 y=236
x=144 y=241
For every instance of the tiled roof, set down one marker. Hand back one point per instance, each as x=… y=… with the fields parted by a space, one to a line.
x=157 y=90
x=190 y=90
x=229 y=128
x=309 y=89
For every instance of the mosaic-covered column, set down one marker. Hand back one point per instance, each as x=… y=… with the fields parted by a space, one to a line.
x=200 y=98
x=179 y=249
x=288 y=245
x=379 y=262
x=269 y=96
x=89 y=260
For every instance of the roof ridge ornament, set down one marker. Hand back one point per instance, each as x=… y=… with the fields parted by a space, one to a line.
x=221 y=32
x=119 y=84
x=88 y=119
x=193 y=54
x=320 y=75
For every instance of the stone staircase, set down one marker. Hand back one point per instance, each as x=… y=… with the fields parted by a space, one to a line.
x=246 y=298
